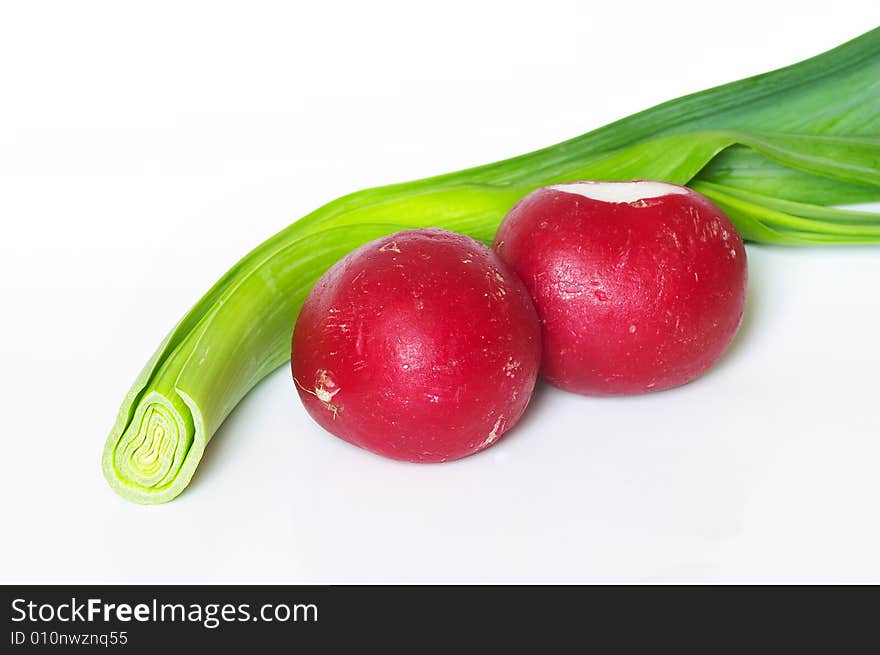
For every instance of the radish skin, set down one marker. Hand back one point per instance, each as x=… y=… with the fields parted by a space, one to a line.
x=421 y=346
x=640 y=286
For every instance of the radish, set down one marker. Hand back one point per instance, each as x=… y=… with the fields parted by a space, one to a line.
x=420 y=346
x=639 y=286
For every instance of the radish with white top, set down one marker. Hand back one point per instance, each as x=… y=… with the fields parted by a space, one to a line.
x=640 y=286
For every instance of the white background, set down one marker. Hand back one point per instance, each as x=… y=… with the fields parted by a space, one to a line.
x=144 y=147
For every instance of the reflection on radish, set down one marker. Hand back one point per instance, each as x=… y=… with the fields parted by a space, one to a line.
x=639 y=286
x=420 y=346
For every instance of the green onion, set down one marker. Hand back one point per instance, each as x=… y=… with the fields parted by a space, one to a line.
x=774 y=151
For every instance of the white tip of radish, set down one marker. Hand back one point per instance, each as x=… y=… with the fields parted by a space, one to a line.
x=494 y=435
x=323 y=383
x=325 y=387
x=620 y=192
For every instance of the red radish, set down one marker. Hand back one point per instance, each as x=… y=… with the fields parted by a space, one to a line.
x=421 y=346
x=640 y=286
